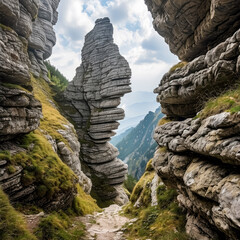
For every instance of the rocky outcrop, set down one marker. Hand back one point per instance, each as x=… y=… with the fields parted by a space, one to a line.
x=26 y=189
x=26 y=39
x=91 y=102
x=192 y=28
x=182 y=92
x=199 y=154
x=201 y=159
x=42 y=38
x=20 y=112
x=30 y=24
x=26 y=34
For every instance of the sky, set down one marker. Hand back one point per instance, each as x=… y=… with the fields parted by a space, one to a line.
x=146 y=52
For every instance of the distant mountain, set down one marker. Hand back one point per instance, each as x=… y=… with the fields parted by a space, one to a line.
x=129 y=123
x=116 y=139
x=136 y=106
x=138 y=146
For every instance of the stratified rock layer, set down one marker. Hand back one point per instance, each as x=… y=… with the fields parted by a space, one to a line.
x=26 y=33
x=200 y=157
x=183 y=91
x=191 y=28
x=19 y=112
x=26 y=39
x=92 y=100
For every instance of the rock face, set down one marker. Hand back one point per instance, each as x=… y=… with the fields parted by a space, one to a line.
x=26 y=33
x=32 y=22
x=191 y=28
x=26 y=39
x=183 y=91
x=201 y=159
x=92 y=100
x=200 y=155
x=19 y=112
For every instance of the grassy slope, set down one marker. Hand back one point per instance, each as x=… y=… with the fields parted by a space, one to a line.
x=44 y=168
x=12 y=226
x=164 y=221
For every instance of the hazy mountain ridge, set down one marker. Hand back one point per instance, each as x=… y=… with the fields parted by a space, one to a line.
x=138 y=146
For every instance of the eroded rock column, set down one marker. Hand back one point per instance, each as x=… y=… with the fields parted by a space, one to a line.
x=91 y=102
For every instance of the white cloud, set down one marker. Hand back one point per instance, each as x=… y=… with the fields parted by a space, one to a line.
x=133 y=33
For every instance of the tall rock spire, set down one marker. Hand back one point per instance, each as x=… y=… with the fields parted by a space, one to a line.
x=92 y=100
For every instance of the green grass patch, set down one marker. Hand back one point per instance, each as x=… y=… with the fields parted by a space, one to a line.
x=12 y=225
x=84 y=204
x=59 y=226
x=161 y=222
x=163 y=121
x=130 y=183
x=52 y=119
x=42 y=166
x=6 y=28
x=14 y=86
x=178 y=65
x=226 y=102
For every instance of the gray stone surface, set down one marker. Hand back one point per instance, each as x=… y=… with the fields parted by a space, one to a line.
x=191 y=28
x=201 y=159
x=183 y=91
x=20 y=112
x=14 y=62
x=26 y=39
x=91 y=101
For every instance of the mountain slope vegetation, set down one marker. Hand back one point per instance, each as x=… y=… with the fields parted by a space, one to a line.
x=138 y=146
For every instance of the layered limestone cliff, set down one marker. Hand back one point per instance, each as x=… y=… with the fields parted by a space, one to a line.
x=199 y=152
x=91 y=101
x=191 y=28
x=36 y=142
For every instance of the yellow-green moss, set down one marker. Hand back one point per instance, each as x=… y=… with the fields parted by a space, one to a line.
x=12 y=225
x=227 y=102
x=178 y=65
x=14 y=86
x=142 y=188
x=52 y=119
x=163 y=121
x=165 y=221
x=161 y=150
x=59 y=226
x=42 y=166
x=84 y=204
x=6 y=28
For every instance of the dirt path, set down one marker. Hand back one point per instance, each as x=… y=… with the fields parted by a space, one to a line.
x=105 y=225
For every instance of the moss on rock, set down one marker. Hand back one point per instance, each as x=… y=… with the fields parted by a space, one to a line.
x=12 y=225
x=164 y=221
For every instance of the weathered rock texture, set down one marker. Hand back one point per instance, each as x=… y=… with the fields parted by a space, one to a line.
x=191 y=28
x=26 y=39
x=92 y=100
x=200 y=157
x=30 y=24
x=183 y=91
x=29 y=192
x=19 y=112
